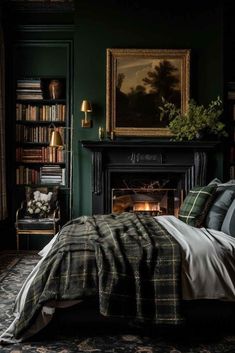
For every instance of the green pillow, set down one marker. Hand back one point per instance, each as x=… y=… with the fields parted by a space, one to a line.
x=196 y=204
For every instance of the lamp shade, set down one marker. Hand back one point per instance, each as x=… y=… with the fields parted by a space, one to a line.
x=56 y=139
x=86 y=106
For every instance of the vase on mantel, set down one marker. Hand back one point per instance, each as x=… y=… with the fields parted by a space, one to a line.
x=55 y=89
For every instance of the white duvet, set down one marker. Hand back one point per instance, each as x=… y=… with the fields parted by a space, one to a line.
x=208 y=260
x=208 y=270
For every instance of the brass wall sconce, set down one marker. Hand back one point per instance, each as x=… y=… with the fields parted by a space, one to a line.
x=86 y=108
x=56 y=139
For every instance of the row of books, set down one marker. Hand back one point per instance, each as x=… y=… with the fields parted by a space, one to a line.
x=40 y=155
x=52 y=174
x=25 y=175
x=55 y=112
x=39 y=134
x=29 y=89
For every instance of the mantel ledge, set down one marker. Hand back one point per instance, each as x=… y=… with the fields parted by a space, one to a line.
x=107 y=144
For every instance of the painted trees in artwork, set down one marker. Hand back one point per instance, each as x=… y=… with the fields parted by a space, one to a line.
x=140 y=103
x=164 y=81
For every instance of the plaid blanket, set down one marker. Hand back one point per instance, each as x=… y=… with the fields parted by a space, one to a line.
x=129 y=260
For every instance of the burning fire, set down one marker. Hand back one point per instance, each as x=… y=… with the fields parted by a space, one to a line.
x=146 y=206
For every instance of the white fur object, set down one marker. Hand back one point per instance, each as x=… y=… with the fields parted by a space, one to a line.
x=40 y=196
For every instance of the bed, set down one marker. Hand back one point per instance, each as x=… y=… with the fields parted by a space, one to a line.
x=136 y=267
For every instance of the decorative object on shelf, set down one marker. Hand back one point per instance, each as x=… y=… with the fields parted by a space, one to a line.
x=55 y=89
x=198 y=122
x=101 y=133
x=86 y=108
x=137 y=79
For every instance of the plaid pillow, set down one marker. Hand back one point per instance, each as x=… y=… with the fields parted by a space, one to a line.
x=195 y=205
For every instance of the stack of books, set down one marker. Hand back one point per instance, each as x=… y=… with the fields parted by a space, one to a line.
x=29 y=155
x=29 y=89
x=52 y=174
x=40 y=155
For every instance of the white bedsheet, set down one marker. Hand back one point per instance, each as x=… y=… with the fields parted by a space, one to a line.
x=208 y=260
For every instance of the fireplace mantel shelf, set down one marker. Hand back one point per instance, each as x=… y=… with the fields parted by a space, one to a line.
x=93 y=144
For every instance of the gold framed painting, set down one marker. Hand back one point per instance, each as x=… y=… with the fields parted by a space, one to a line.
x=137 y=79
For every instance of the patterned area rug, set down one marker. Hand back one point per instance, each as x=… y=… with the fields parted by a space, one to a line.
x=14 y=269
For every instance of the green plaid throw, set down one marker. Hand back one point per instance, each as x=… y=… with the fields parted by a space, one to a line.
x=129 y=260
x=195 y=205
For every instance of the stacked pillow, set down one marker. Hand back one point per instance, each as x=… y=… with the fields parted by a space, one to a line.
x=212 y=206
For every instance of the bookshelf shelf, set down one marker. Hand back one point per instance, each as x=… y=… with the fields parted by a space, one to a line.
x=41 y=101
x=40 y=163
x=21 y=144
x=39 y=110
x=39 y=122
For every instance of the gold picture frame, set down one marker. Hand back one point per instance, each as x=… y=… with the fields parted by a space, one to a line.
x=136 y=81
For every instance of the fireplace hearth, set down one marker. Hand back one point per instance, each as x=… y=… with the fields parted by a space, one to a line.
x=147 y=176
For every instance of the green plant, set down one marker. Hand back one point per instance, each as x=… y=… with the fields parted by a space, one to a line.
x=197 y=120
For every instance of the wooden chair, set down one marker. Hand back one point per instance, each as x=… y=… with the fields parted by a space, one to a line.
x=28 y=225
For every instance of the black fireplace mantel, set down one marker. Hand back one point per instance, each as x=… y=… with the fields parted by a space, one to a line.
x=193 y=159
x=198 y=145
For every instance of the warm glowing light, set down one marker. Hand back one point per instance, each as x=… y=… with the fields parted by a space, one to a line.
x=146 y=206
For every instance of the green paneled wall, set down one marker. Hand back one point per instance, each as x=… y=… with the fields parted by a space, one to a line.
x=42 y=60
x=99 y=25
x=117 y=25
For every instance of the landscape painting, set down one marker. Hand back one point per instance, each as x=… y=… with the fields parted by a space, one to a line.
x=137 y=81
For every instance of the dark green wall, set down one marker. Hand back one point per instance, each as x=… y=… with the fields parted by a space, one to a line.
x=99 y=25
x=119 y=25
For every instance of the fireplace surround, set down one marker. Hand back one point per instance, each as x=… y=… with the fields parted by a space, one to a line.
x=177 y=166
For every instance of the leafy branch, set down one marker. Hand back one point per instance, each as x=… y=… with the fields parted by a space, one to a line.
x=196 y=120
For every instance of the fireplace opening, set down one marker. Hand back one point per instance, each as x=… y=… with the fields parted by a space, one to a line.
x=157 y=194
x=148 y=201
